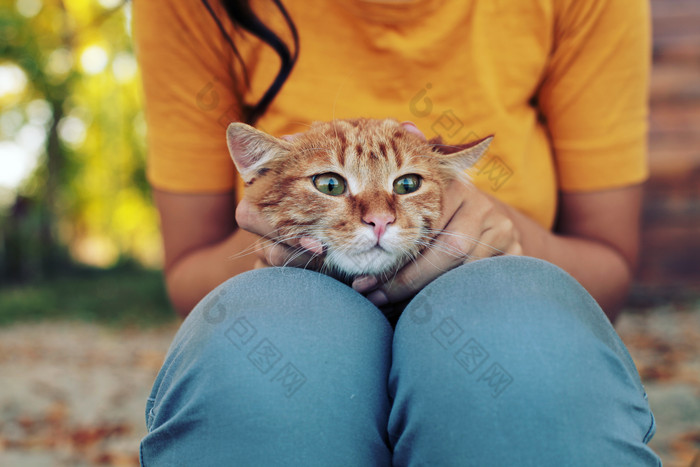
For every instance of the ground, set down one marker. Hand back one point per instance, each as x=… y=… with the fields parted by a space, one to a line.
x=664 y=342
x=73 y=394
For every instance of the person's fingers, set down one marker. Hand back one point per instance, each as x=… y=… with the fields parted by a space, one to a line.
x=311 y=244
x=431 y=263
x=433 y=260
x=474 y=230
x=456 y=196
x=249 y=218
x=412 y=128
x=502 y=239
x=279 y=254
x=364 y=284
x=272 y=250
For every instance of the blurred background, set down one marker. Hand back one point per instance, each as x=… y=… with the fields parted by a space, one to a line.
x=84 y=320
x=74 y=201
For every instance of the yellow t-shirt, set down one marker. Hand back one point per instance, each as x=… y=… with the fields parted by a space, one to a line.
x=561 y=83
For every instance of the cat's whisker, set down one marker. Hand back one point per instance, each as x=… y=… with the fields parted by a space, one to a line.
x=465 y=236
x=451 y=251
x=396 y=271
x=408 y=256
x=300 y=123
x=335 y=126
x=335 y=99
x=296 y=254
x=442 y=248
x=254 y=248
x=264 y=242
x=442 y=270
x=345 y=251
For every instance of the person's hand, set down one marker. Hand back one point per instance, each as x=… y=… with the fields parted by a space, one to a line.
x=472 y=226
x=304 y=252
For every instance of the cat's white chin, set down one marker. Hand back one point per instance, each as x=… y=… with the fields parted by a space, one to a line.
x=373 y=261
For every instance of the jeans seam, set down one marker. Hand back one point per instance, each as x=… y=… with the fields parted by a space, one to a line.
x=151 y=413
x=141 y=463
x=652 y=429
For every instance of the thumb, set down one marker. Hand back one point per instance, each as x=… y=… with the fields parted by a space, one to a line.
x=412 y=128
x=249 y=218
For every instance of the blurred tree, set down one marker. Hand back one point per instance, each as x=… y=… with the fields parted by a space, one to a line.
x=79 y=109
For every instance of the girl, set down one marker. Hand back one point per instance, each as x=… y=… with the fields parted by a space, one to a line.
x=502 y=361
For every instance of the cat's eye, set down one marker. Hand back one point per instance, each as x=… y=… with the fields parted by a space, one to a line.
x=329 y=184
x=407 y=184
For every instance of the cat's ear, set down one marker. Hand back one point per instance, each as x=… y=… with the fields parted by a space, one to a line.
x=469 y=154
x=251 y=149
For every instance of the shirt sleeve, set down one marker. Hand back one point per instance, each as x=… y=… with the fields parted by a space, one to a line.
x=594 y=97
x=191 y=95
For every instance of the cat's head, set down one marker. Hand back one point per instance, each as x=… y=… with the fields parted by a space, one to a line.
x=370 y=190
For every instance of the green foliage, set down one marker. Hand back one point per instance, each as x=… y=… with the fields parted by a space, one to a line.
x=87 y=195
x=122 y=296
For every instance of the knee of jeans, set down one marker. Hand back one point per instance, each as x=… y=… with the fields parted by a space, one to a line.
x=284 y=303
x=514 y=325
x=503 y=289
x=509 y=299
x=263 y=352
x=271 y=327
x=278 y=295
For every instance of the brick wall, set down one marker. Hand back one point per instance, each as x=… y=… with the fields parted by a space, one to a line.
x=670 y=254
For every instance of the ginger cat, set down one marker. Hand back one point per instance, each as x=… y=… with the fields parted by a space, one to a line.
x=371 y=191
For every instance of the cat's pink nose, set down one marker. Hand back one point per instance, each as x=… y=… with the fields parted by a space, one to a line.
x=379 y=221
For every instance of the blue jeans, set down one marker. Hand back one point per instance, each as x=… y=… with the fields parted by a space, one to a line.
x=504 y=361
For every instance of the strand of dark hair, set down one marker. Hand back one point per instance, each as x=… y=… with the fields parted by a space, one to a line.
x=241 y=15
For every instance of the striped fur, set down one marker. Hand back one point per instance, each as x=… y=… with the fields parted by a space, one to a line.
x=370 y=155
